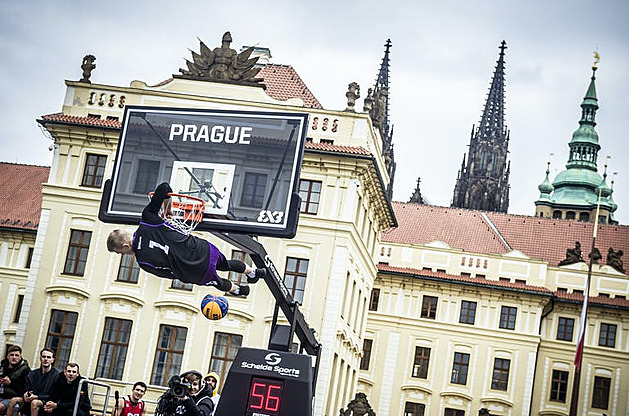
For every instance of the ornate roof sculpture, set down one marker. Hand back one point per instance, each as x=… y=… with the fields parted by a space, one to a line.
x=222 y=64
x=578 y=187
x=483 y=182
x=87 y=65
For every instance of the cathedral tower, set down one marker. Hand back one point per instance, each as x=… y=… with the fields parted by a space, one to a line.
x=574 y=193
x=483 y=182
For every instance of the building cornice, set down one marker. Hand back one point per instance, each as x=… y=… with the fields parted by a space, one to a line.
x=122 y=296
x=63 y=288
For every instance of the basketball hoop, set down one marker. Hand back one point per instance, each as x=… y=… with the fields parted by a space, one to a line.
x=187 y=212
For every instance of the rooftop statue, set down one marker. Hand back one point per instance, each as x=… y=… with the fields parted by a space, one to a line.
x=614 y=260
x=88 y=66
x=353 y=92
x=573 y=255
x=222 y=64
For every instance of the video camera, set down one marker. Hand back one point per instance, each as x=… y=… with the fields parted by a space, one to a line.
x=168 y=402
x=178 y=388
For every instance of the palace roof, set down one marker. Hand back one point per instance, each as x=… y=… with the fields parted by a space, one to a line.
x=21 y=187
x=544 y=239
x=282 y=82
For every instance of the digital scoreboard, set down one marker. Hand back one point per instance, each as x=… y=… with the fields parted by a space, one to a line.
x=267 y=383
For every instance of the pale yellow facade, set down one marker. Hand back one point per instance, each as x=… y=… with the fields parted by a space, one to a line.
x=16 y=248
x=339 y=243
x=396 y=328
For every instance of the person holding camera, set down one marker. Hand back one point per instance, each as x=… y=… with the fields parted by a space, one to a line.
x=38 y=384
x=188 y=395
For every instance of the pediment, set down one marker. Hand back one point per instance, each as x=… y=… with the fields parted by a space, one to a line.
x=438 y=244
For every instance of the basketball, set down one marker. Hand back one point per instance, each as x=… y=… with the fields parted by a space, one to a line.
x=214 y=307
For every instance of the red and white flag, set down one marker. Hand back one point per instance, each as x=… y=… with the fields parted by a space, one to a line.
x=582 y=326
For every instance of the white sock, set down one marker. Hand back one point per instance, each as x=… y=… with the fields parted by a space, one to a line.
x=252 y=273
x=237 y=290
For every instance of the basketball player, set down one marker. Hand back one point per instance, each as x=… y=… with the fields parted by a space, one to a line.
x=133 y=405
x=166 y=252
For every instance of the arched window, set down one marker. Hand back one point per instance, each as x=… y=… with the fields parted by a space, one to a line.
x=557 y=214
x=584 y=216
x=486 y=160
x=570 y=215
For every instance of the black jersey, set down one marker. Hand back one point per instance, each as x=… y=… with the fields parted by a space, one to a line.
x=163 y=251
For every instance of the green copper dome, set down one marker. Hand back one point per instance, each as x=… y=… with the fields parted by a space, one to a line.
x=577 y=177
x=576 y=187
x=603 y=188
x=585 y=134
x=545 y=188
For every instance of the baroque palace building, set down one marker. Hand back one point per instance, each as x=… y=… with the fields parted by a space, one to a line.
x=426 y=310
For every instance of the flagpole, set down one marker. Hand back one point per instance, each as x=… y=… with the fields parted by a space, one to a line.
x=578 y=359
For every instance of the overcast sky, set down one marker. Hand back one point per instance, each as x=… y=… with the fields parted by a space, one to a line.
x=442 y=60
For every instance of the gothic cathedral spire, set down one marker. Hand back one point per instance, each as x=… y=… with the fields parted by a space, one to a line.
x=379 y=113
x=483 y=183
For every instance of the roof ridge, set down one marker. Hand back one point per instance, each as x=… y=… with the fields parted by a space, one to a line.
x=462 y=278
x=495 y=230
x=24 y=164
x=281 y=65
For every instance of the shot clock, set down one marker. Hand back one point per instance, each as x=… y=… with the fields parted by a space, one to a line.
x=265 y=395
x=267 y=383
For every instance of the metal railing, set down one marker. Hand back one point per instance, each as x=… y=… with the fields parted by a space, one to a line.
x=94 y=383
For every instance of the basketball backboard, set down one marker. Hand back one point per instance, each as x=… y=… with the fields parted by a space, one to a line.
x=245 y=165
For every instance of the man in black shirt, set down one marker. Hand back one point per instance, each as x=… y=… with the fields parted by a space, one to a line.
x=164 y=251
x=38 y=384
x=64 y=394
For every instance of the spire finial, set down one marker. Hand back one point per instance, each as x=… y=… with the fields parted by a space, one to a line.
x=597 y=59
x=417 y=198
x=551 y=154
x=503 y=46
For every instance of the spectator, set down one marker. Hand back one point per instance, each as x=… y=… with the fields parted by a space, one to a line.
x=14 y=370
x=64 y=394
x=38 y=384
x=213 y=381
x=188 y=395
x=132 y=405
x=199 y=401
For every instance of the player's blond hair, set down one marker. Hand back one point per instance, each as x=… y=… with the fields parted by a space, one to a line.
x=116 y=239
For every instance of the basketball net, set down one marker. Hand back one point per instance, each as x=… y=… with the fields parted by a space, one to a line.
x=184 y=213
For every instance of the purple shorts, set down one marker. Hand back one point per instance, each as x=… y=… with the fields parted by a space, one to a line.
x=216 y=258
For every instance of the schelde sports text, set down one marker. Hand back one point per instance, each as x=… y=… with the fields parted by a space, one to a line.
x=216 y=134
